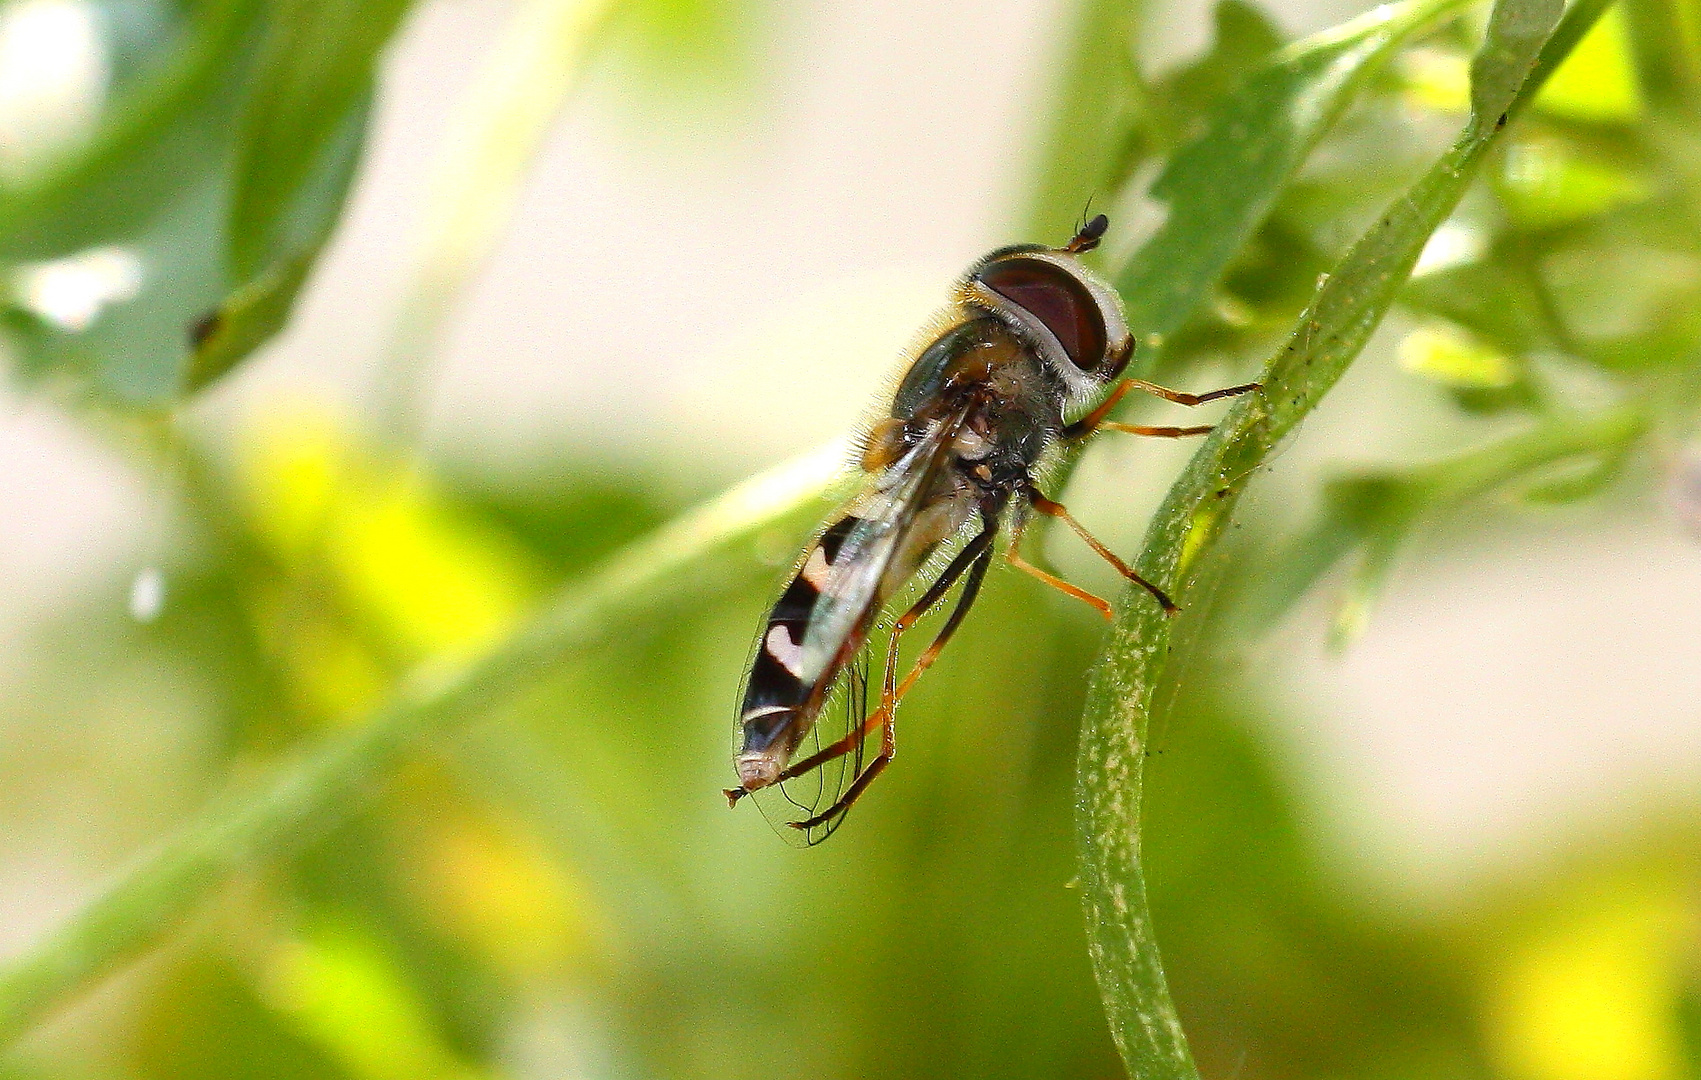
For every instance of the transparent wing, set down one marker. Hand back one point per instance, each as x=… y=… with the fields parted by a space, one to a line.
x=803 y=797
x=853 y=585
x=859 y=550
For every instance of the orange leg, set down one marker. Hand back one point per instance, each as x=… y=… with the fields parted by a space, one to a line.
x=1160 y=432
x=1015 y=559
x=1057 y=510
x=1095 y=419
x=979 y=550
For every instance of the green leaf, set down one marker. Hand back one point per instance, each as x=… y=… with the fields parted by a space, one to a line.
x=1242 y=41
x=131 y=352
x=166 y=134
x=260 y=306
x=149 y=349
x=222 y=182
x=1220 y=187
x=1354 y=509
x=1369 y=577
x=314 y=80
x=298 y=144
x=1581 y=474
x=245 y=320
x=1346 y=309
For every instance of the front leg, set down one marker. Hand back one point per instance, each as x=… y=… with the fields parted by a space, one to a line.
x=1096 y=419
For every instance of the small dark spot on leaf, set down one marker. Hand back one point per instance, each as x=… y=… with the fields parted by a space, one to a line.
x=202 y=329
x=1500 y=122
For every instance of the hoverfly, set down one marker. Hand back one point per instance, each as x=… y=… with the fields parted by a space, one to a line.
x=1031 y=336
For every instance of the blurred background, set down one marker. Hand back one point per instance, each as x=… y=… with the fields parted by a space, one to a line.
x=600 y=261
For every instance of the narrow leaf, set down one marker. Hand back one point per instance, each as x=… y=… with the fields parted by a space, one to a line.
x=222 y=183
x=1219 y=188
x=166 y=134
x=260 y=305
x=245 y=320
x=298 y=144
x=1354 y=508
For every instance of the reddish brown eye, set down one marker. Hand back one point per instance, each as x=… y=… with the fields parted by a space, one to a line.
x=1056 y=298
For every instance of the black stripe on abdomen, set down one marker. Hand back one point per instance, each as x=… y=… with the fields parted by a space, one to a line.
x=774 y=694
x=835 y=536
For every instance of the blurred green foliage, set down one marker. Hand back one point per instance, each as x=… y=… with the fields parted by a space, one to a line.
x=553 y=890
x=218 y=174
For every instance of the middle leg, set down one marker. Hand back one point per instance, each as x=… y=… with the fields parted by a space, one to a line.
x=1058 y=510
x=891 y=691
x=1159 y=432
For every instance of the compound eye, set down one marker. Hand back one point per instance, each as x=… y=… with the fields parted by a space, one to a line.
x=1058 y=299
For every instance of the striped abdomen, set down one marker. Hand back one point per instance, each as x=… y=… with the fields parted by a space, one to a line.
x=782 y=698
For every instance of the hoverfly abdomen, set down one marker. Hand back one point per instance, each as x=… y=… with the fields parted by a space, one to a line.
x=776 y=713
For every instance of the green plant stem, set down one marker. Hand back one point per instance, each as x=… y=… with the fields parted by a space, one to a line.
x=301 y=797
x=1346 y=309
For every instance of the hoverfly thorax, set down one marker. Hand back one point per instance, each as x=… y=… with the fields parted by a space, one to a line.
x=1031 y=336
